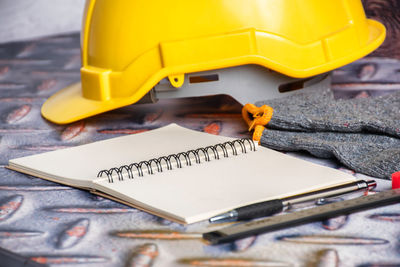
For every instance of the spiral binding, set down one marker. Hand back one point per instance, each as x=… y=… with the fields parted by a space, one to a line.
x=204 y=153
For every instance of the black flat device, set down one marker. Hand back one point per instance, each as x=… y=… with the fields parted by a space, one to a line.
x=242 y=230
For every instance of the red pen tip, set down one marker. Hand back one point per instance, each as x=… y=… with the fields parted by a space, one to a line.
x=396 y=180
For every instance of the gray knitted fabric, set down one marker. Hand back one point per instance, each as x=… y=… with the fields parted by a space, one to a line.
x=363 y=134
x=313 y=111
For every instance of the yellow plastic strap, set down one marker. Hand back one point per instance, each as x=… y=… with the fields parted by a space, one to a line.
x=260 y=117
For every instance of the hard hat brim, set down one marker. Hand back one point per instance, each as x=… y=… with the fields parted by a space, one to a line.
x=68 y=105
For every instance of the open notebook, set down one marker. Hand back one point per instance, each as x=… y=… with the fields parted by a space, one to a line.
x=180 y=174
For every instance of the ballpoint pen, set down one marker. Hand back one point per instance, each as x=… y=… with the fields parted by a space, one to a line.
x=271 y=207
x=274 y=223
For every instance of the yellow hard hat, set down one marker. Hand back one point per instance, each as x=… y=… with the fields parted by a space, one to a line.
x=129 y=46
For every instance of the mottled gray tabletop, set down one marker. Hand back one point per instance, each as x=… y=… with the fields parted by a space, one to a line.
x=59 y=225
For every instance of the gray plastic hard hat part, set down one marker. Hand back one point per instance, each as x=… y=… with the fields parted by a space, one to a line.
x=247 y=84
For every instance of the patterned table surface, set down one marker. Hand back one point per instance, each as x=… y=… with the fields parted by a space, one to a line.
x=59 y=225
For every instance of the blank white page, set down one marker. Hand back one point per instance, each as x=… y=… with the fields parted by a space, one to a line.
x=200 y=191
x=78 y=166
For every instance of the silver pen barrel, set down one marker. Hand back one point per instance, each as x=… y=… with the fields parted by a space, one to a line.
x=329 y=192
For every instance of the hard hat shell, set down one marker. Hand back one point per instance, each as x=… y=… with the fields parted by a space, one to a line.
x=128 y=46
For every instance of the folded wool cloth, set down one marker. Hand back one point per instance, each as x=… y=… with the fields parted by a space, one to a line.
x=362 y=133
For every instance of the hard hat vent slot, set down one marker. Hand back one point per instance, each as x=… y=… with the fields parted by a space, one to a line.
x=164 y=81
x=204 y=78
x=292 y=86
